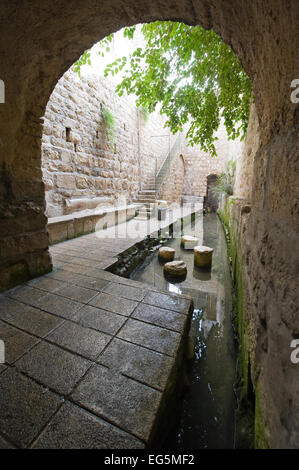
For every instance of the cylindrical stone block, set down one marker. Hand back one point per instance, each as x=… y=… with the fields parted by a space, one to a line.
x=188 y=242
x=166 y=253
x=203 y=256
x=176 y=268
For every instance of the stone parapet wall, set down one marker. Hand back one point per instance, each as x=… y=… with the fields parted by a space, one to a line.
x=71 y=226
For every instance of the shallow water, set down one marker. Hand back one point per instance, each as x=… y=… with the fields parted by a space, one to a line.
x=206 y=414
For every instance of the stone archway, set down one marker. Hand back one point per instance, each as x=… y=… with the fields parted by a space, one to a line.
x=41 y=40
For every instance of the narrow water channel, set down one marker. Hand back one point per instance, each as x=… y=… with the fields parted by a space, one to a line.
x=206 y=414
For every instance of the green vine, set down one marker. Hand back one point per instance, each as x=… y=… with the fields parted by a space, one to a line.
x=144 y=112
x=109 y=123
x=225 y=181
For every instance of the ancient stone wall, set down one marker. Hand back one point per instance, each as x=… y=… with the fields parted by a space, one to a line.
x=188 y=174
x=245 y=161
x=199 y=164
x=80 y=162
x=41 y=40
x=83 y=168
x=173 y=187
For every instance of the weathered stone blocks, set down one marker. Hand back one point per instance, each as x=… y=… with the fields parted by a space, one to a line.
x=66 y=181
x=175 y=268
x=166 y=253
x=188 y=242
x=203 y=256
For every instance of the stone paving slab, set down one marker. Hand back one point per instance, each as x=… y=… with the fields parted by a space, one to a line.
x=4 y=444
x=34 y=321
x=89 y=354
x=17 y=343
x=58 y=305
x=153 y=337
x=170 y=302
x=61 y=274
x=80 y=294
x=122 y=290
x=25 y=294
x=84 y=341
x=9 y=307
x=137 y=362
x=75 y=428
x=54 y=367
x=113 y=304
x=89 y=282
x=99 y=319
x=25 y=407
x=46 y=284
x=123 y=401
x=160 y=317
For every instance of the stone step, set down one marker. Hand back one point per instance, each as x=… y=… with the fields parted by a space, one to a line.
x=145 y=197
x=146 y=210
x=145 y=203
x=143 y=215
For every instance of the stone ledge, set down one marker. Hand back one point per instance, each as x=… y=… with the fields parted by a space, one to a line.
x=81 y=223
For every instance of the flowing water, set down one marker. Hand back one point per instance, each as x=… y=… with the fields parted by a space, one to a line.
x=207 y=411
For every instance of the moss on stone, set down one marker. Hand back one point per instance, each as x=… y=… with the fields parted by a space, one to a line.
x=260 y=431
x=245 y=395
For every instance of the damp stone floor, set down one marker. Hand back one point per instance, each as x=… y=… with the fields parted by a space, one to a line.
x=88 y=355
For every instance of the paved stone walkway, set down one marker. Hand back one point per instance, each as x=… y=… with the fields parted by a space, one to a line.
x=90 y=356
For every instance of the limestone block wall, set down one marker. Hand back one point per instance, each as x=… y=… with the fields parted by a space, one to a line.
x=173 y=186
x=83 y=169
x=245 y=162
x=199 y=164
x=78 y=160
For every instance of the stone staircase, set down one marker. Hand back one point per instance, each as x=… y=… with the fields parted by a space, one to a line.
x=146 y=199
x=147 y=196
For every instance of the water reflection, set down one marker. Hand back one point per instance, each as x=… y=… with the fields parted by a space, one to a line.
x=207 y=414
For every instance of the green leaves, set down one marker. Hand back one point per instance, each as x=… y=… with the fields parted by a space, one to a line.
x=225 y=181
x=84 y=59
x=192 y=74
x=109 y=123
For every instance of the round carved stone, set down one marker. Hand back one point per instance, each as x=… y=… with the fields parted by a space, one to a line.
x=189 y=242
x=175 y=268
x=166 y=253
x=203 y=256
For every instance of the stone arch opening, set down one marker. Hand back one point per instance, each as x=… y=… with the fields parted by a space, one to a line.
x=42 y=42
x=211 y=199
x=58 y=47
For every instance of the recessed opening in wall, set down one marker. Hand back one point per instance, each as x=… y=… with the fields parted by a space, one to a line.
x=68 y=131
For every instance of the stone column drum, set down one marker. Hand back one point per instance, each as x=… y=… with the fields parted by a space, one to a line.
x=203 y=256
x=189 y=242
x=166 y=253
x=176 y=268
